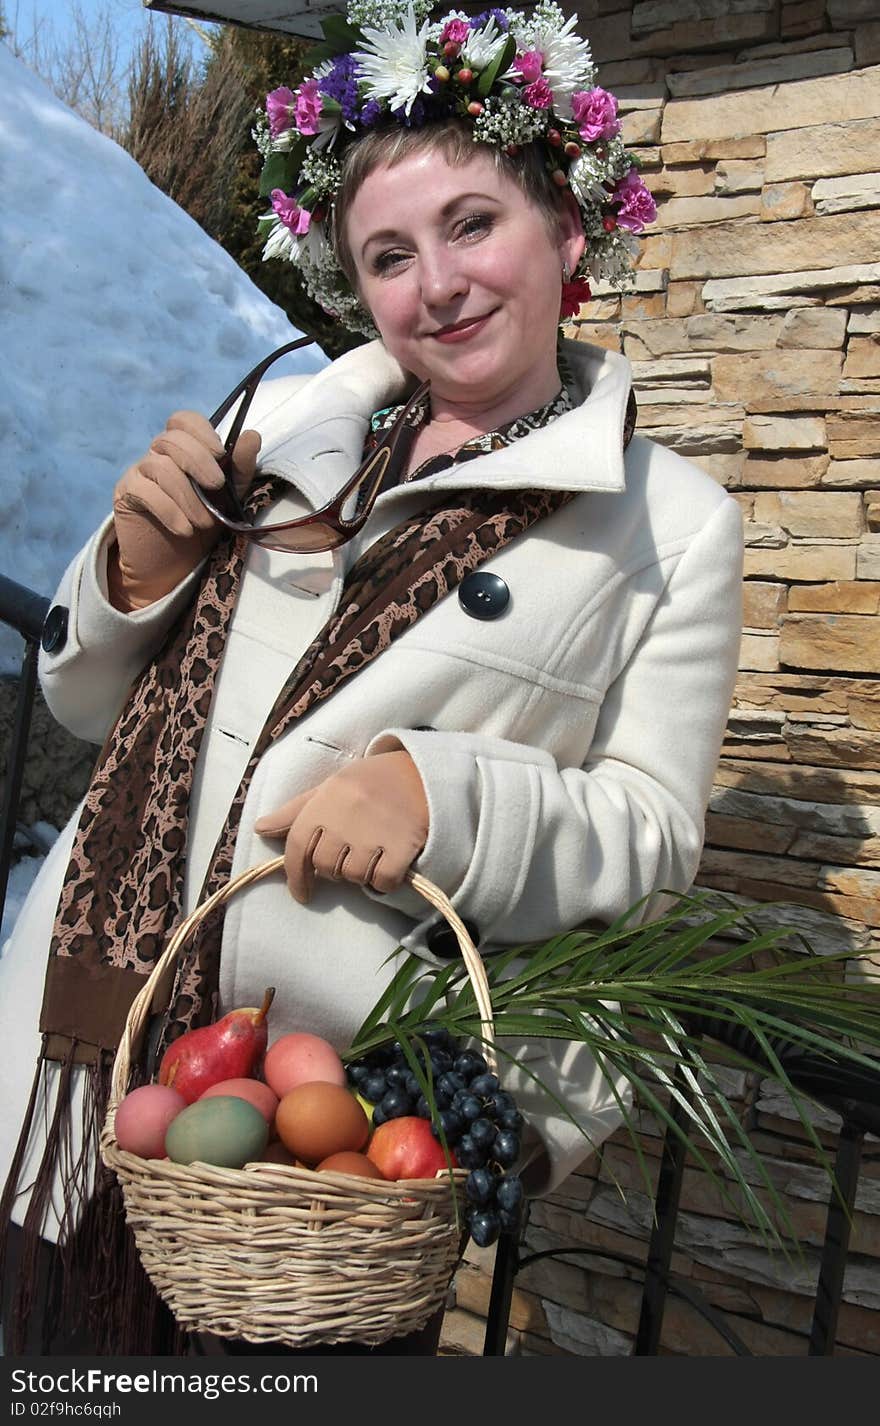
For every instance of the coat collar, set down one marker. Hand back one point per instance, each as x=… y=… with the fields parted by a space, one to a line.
x=317 y=437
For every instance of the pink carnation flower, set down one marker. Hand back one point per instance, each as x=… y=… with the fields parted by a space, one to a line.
x=291 y=215
x=595 y=113
x=454 y=32
x=637 y=206
x=530 y=66
x=279 y=106
x=574 y=294
x=308 y=107
x=538 y=95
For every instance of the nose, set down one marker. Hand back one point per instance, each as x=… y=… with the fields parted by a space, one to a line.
x=442 y=277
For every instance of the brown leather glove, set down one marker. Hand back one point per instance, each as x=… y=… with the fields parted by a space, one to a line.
x=162 y=529
x=367 y=824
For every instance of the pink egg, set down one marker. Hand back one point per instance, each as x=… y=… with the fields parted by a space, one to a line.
x=143 y=1117
x=253 y=1090
x=299 y=1058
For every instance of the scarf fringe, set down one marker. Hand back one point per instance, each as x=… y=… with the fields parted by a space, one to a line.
x=93 y=1287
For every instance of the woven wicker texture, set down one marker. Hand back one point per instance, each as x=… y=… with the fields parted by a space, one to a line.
x=277 y=1254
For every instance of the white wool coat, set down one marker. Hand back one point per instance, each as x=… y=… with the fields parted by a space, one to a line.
x=566 y=748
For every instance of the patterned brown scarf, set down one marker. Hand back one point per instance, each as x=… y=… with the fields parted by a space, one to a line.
x=123 y=890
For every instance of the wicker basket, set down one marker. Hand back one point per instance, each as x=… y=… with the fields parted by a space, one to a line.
x=277 y=1254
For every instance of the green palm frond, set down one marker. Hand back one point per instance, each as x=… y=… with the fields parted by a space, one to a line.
x=641 y=998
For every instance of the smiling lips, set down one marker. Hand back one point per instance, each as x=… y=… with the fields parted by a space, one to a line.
x=461 y=331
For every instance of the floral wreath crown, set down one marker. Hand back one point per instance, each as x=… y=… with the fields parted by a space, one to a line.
x=516 y=78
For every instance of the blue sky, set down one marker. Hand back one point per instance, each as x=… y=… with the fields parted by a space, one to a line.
x=56 y=17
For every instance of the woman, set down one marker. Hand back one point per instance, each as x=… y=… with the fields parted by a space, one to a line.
x=541 y=746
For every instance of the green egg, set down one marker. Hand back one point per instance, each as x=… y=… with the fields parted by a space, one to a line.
x=222 y=1130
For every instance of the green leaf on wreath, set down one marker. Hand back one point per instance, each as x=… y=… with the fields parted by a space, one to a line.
x=278 y=172
x=498 y=64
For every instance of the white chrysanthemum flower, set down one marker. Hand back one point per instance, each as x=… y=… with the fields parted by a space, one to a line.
x=314 y=250
x=568 y=63
x=393 y=65
x=568 y=66
x=482 y=46
x=585 y=179
x=280 y=242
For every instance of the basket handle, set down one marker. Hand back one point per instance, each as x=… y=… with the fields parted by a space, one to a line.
x=141 y=1006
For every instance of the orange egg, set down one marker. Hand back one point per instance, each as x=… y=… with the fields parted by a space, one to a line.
x=350 y=1163
x=318 y=1119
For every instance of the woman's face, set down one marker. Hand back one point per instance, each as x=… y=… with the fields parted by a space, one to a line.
x=463 y=277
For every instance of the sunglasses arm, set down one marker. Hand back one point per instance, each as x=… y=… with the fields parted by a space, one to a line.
x=245 y=388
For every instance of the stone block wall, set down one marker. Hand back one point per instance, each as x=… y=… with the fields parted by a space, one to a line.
x=754 y=334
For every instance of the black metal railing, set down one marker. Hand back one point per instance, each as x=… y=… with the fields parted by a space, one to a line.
x=852 y=1091
x=23 y=610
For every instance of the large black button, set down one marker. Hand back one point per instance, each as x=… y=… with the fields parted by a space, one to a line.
x=54 y=635
x=483 y=595
x=443 y=942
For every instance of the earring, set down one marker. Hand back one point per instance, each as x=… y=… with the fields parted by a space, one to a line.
x=566 y=272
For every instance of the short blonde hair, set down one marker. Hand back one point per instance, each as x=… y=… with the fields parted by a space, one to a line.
x=454 y=140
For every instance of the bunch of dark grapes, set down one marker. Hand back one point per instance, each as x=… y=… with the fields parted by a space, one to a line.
x=480 y=1121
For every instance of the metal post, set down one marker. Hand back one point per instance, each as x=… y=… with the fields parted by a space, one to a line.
x=506 y=1267
x=829 y=1289
x=663 y=1234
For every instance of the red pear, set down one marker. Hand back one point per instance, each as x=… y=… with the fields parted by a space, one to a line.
x=231 y=1048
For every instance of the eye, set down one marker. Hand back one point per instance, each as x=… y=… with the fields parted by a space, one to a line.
x=475 y=225
x=386 y=262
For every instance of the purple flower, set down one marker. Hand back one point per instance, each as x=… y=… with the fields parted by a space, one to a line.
x=538 y=95
x=455 y=32
x=498 y=16
x=370 y=113
x=341 y=84
x=637 y=207
x=289 y=212
x=595 y=113
x=308 y=107
x=414 y=119
x=279 y=108
x=530 y=66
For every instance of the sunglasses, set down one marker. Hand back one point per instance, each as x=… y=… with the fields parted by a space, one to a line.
x=327 y=528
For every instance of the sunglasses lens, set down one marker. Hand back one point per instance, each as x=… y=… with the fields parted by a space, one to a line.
x=302 y=539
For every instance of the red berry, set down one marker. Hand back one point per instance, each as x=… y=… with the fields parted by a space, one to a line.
x=511 y=150
x=475 y=108
x=318 y=213
x=554 y=137
x=609 y=224
x=573 y=150
x=441 y=73
x=465 y=76
x=451 y=49
x=559 y=178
